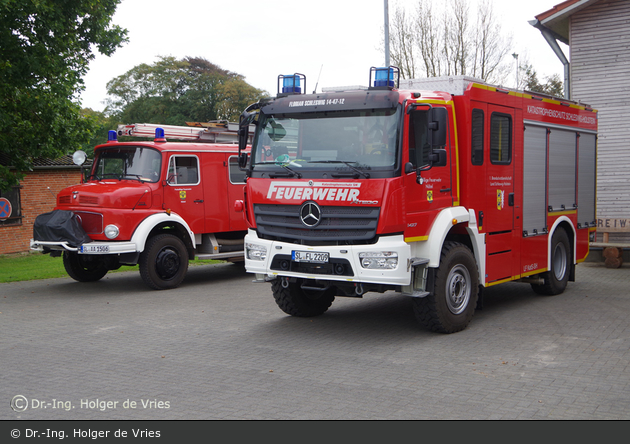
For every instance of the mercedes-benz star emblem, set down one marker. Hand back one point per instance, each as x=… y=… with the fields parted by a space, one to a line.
x=310 y=214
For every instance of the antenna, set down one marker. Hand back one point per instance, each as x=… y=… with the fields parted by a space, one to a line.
x=320 y=74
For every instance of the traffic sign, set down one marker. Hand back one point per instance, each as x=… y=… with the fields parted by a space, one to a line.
x=5 y=208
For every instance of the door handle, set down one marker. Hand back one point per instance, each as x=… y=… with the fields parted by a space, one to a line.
x=198 y=201
x=511 y=199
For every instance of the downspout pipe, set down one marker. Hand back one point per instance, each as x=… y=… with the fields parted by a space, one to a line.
x=552 y=39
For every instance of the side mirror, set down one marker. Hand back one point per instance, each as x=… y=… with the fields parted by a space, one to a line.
x=242 y=160
x=438 y=126
x=438 y=157
x=243 y=131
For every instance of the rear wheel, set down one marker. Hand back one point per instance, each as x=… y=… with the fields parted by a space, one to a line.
x=297 y=301
x=451 y=305
x=164 y=262
x=557 y=278
x=84 y=268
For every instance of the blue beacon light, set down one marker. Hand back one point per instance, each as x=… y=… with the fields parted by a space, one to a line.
x=112 y=136
x=291 y=83
x=159 y=135
x=384 y=77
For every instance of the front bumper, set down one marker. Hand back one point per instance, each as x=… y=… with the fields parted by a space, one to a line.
x=346 y=255
x=89 y=248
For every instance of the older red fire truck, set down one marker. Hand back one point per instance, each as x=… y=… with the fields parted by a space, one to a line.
x=156 y=204
x=435 y=192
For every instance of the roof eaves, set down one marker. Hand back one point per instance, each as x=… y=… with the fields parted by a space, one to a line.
x=557 y=18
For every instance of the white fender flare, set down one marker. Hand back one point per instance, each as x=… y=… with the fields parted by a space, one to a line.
x=143 y=230
x=558 y=221
x=449 y=217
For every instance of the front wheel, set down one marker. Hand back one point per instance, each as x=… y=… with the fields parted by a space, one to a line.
x=297 y=301
x=164 y=262
x=451 y=305
x=84 y=268
x=556 y=279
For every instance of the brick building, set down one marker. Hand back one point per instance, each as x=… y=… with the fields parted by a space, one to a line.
x=36 y=194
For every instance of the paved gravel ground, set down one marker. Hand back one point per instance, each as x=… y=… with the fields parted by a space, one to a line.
x=219 y=348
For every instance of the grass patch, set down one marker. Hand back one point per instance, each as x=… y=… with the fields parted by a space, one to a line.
x=32 y=266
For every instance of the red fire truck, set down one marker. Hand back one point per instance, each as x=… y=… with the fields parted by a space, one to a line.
x=437 y=192
x=156 y=204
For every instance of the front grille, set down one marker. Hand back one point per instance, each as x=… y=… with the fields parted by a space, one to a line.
x=339 y=225
x=92 y=223
x=88 y=200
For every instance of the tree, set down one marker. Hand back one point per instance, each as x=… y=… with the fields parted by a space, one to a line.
x=552 y=87
x=450 y=41
x=45 y=49
x=173 y=92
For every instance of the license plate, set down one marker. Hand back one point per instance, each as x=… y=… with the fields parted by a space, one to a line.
x=94 y=249
x=309 y=256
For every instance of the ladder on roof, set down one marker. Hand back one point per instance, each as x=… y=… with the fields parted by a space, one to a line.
x=219 y=131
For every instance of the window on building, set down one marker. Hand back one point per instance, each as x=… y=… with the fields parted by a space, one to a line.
x=10 y=207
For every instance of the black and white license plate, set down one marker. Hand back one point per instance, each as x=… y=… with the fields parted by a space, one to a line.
x=309 y=256
x=94 y=249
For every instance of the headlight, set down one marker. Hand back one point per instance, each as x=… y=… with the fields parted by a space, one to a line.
x=255 y=252
x=374 y=260
x=111 y=231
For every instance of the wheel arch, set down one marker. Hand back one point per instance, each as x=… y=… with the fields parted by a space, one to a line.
x=455 y=224
x=163 y=223
x=566 y=224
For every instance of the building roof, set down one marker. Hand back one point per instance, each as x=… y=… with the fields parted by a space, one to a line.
x=557 y=18
x=42 y=163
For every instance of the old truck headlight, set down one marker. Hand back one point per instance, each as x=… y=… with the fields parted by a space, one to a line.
x=111 y=231
x=255 y=252
x=379 y=260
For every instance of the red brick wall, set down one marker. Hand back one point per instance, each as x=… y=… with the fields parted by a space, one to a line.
x=36 y=198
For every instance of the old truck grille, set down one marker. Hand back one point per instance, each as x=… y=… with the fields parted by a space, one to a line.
x=92 y=223
x=338 y=225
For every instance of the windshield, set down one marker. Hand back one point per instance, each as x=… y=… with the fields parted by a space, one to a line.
x=357 y=142
x=128 y=162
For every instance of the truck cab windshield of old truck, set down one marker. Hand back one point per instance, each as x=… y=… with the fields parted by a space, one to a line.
x=127 y=163
x=340 y=144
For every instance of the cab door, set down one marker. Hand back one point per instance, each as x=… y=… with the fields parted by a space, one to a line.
x=429 y=191
x=500 y=170
x=236 y=191
x=183 y=191
x=499 y=209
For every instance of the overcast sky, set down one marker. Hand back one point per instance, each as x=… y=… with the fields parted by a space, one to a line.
x=262 y=39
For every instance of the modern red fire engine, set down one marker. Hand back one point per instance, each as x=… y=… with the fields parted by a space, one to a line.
x=436 y=192
x=156 y=204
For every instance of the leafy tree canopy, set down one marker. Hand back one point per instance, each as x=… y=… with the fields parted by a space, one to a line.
x=553 y=85
x=173 y=92
x=45 y=49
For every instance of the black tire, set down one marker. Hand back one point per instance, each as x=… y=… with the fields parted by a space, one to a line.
x=557 y=278
x=84 y=268
x=164 y=262
x=296 y=301
x=451 y=305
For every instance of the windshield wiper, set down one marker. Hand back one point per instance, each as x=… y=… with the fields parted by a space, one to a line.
x=138 y=177
x=346 y=163
x=291 y=171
